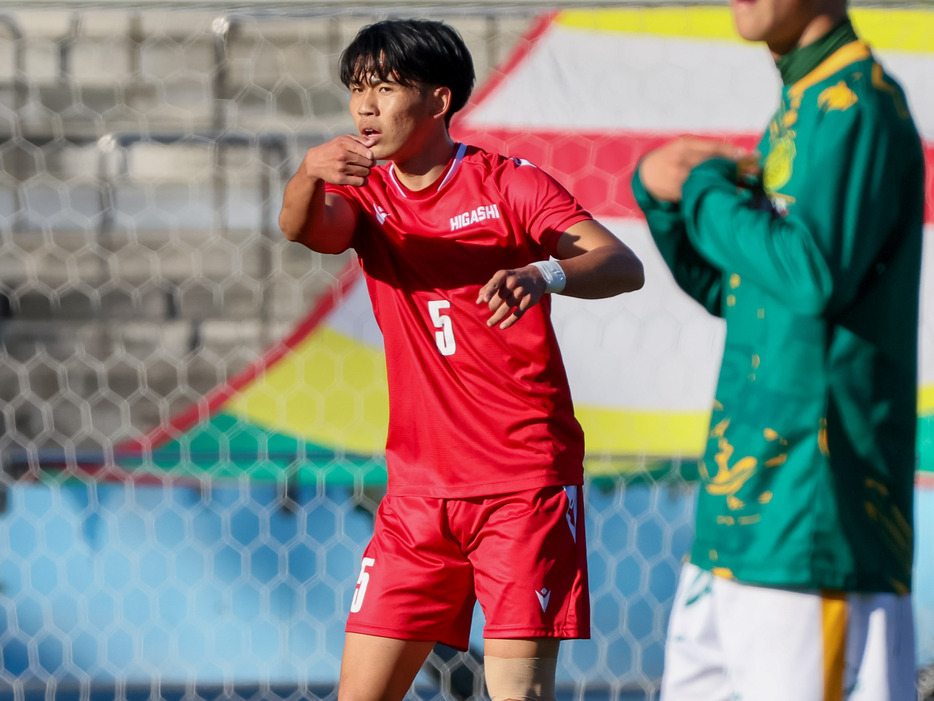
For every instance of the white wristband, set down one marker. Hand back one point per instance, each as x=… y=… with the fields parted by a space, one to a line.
x=555 y=279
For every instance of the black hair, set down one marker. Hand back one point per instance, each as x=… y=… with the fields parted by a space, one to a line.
x=411 y=52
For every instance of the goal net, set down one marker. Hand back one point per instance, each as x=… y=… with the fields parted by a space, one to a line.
x=193 y=410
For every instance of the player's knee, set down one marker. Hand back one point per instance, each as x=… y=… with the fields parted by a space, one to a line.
x=520 y=678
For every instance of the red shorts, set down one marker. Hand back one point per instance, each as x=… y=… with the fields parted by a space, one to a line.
x=523 y=556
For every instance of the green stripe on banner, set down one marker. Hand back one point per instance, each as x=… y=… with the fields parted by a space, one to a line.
x=926 y=443
x=227 y=447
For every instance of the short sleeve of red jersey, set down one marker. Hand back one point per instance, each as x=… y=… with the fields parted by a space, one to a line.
x=344 y=191
x=544 y=206
x=352 y=196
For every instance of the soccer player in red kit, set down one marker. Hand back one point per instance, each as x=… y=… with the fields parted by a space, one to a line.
x=459 y=248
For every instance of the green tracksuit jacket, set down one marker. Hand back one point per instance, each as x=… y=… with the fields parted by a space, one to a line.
x=807 y=478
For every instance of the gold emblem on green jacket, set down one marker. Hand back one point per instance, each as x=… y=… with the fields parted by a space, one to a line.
x=837 y=97
x=779 y=164
x=732 y=475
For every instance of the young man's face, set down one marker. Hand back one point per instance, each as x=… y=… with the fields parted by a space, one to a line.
x=778 y=23
x=398 y=117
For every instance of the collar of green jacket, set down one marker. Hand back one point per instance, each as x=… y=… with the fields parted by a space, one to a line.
x=798 y=62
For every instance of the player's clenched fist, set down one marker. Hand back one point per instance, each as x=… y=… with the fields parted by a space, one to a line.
x=344 y=160
x=309 y=215
x=509 y=293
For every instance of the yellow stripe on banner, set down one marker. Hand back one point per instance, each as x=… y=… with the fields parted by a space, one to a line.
x=884 y=29
x=834 y=616
x=651 y=434
x=330 y=390
x=905 y=30
x=693 y=22
x=926 y=400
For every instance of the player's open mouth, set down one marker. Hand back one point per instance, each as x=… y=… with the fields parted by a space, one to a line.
x=370 y=132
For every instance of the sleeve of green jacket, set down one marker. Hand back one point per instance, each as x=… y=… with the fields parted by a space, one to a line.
x=815 y=257
x=692 y=273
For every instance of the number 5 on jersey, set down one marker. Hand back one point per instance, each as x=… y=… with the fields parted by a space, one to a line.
x=360 y=590
x=444 y=337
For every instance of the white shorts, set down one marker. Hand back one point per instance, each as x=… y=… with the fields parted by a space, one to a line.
x=729 y=641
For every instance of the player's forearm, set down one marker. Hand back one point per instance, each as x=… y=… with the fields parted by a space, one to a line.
x=302 y=201
x=694 y=275
x=304 y=217
x=604 y=271
x=781 y=254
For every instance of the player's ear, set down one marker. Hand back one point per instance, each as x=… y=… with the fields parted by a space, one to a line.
x=441 y=95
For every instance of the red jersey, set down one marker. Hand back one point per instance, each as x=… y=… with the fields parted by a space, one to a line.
x=473 y=410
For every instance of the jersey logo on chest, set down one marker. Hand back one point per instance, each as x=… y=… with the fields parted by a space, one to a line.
x=380 y=213
x=478 y=214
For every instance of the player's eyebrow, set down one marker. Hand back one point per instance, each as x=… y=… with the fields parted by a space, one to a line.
x=372 y=77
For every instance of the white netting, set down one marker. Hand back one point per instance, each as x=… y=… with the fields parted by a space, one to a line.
x=142 y=159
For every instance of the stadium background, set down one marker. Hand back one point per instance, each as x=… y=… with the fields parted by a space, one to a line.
x=193 y=409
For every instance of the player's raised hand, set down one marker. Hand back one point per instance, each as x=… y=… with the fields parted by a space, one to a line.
x=509 y=293
x=311 y=216
x=344 y=160
x=664 y=170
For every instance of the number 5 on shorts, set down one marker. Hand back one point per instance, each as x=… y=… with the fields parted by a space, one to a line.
x=360 y=590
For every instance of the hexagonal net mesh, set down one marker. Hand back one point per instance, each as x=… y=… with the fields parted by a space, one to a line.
x=193 y=409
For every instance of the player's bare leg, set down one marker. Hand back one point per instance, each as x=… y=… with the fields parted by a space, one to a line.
x=379 y=669
x=521 y=669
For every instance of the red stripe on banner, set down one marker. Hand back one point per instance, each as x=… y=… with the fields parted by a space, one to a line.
x=597 y=166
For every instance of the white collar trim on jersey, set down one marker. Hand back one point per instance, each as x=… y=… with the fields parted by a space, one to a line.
x=458 y=157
